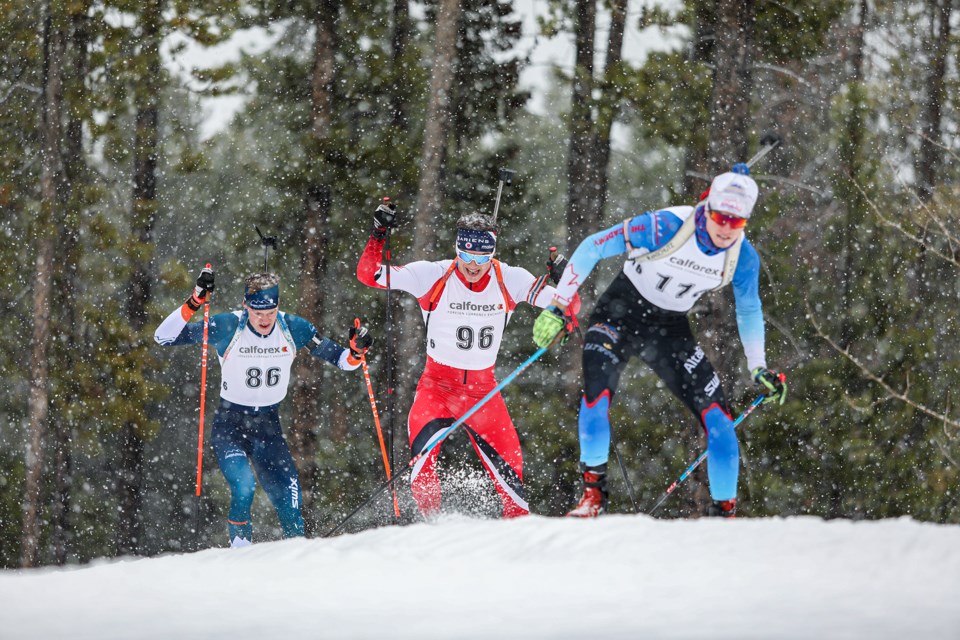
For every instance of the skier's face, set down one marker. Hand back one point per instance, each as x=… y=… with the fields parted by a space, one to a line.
x=262 y=320
x=723 y=234
x=470 y=270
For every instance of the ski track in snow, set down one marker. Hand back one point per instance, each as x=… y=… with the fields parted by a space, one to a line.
x=616 y=577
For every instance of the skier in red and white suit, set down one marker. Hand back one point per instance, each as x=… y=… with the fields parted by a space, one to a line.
x=466 y=304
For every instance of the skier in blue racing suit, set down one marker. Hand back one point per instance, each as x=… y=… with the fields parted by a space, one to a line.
x=674 y=256
x=256 y=347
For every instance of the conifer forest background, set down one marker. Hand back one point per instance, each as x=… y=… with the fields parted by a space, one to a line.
x=112 y=198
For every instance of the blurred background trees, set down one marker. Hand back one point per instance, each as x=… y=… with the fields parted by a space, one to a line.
x=113 y=194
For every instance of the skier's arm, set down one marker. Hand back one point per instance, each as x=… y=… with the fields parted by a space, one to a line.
x=174 y=330
x=746 y=293
x=416 y=277
x=306 y=335
x=524 y=286
x=644 y=233
x=173 y=325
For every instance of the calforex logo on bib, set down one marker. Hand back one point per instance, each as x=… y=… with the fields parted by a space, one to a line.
x=254 y=350
x=473 y=306
x=693 y=265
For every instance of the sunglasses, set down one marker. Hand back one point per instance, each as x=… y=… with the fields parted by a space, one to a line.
x=470 y=257
x=732 y=221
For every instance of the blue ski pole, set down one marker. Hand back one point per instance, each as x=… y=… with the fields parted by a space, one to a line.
x=703 y=456
x=440 y=436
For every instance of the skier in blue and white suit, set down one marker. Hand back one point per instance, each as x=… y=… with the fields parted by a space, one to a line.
x=256 y=347
x=675 y=255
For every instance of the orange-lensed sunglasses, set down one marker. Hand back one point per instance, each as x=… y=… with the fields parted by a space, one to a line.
x=723 y=219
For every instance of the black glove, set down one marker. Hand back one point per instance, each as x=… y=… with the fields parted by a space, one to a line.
x=384 y=218
x=205 y=282
x=360 y=339
x=555 y=265
x=204 y=286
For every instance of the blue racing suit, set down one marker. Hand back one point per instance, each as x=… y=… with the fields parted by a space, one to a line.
x=246 y=435
x=625 y=324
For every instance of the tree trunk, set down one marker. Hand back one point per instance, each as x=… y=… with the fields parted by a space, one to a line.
x=850 y=159
x=51 y=193
x=68 y=286
x=399 y=95
x=931 y=148
x=701 y=53
x=437 y=129
x=589 y=152
x=429 y=198
x=581 y=169
x=729 y=124
x=733 y=52
x=129 y=534
x=315 y=236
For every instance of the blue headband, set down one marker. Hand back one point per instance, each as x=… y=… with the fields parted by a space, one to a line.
x=263 y=299
x=476 y=241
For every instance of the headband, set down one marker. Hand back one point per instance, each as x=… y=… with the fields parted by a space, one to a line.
x=263 y=299
x=476 y=240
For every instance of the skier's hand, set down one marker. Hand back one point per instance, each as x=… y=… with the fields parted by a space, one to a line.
x=204 y=282
x=741 y=168
x=204 y=286
x=384 y=218
x=360 y=339
x=774 y=383
x=548 y=324
x=555 y=265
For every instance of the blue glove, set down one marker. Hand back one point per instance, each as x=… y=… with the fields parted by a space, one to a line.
x=741 y=168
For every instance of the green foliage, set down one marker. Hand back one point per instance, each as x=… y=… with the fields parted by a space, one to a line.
x=840 y=447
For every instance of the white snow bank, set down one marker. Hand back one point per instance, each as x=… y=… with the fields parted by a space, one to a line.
x=536 y=577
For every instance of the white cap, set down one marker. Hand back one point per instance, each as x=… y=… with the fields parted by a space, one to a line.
x=734 y=194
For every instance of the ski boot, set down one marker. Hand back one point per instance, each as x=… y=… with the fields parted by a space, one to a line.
x=723 y=508
x=238 y=543
x=594 y=500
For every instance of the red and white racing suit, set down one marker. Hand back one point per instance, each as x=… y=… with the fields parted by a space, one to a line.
x=464 y=323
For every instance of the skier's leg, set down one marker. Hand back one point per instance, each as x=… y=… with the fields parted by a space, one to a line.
x=605 y=355
x=230 y=449
x=604 y=358
x=278 y=473
x=496 y=441
x=682 y=365
x=428 y=417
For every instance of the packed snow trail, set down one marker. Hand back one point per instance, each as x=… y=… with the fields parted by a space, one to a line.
x=536 y=577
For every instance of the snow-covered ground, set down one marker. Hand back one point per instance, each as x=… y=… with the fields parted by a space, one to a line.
x=536 y=577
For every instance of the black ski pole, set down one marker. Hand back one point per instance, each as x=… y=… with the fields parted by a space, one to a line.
x=768 y=142
x=267 y=242
x=389 y=356
x=623 y=471
x=506 y=178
